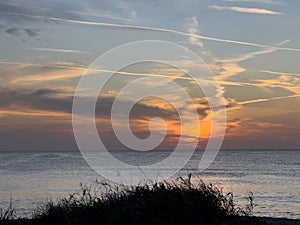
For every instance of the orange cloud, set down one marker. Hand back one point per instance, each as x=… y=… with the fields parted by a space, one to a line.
x=32 y=113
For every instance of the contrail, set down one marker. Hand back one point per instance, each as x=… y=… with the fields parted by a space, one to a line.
x=267 y=99
x=280 y=73
x=86 y=70
x=40 y=65
x=58 y=50
x=175 y=32
x=159 y=30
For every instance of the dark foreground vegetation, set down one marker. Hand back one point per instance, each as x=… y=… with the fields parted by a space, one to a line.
x=176 y=203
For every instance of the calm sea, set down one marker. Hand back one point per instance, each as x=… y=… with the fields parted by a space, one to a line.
x=272 y=175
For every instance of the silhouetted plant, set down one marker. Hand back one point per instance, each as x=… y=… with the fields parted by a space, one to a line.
x=8 y=213
x=169 y=202
x=250 y=206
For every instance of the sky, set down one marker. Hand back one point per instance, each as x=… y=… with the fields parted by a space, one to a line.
x=252 y=47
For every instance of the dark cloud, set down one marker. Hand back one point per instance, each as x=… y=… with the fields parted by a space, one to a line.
x=25 y=15
x=19 y=32
x=19 y=12
x=30 y=32
x=41 y=92
x=13 y=31
x=35 y=100
x=47 y=99
x=58 y=100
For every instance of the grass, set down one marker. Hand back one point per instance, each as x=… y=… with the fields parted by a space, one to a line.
x=7 y=214
x=176 y=203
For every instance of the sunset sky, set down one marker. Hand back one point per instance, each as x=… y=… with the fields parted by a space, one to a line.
x=252 y=46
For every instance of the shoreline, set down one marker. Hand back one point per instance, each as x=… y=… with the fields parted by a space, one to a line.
x=265 y=220
x=279 y=221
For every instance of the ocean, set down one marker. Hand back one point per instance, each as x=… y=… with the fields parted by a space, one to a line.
x=28 y=179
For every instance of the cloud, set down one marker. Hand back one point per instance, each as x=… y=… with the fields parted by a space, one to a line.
x=95 y=13
x=230 y=67
x=19 y=32
x=30 y=32
x=261 y=125
x=266 y=89
x=245 y=10
x=42 y=102
x=125 y=26
x=229 y=41
x=286 y=81
x=226 y=68
x=45 y=103
x=280 y=73
x=272 y=2
x=66 y=70
x=193 y=28
x=15 y=11
x=30 y=73
x=248 y=56
x=61 y=100
x=43 y=92
x=41 y=99
x=16 y=20
x=13 y=31
x=59 y=50
x=126 y=7
x=90 y=23
x=268 y=99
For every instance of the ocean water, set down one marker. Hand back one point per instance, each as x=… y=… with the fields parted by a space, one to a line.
x=272 y=175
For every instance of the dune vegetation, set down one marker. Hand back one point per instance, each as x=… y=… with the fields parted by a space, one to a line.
x=179 y=202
